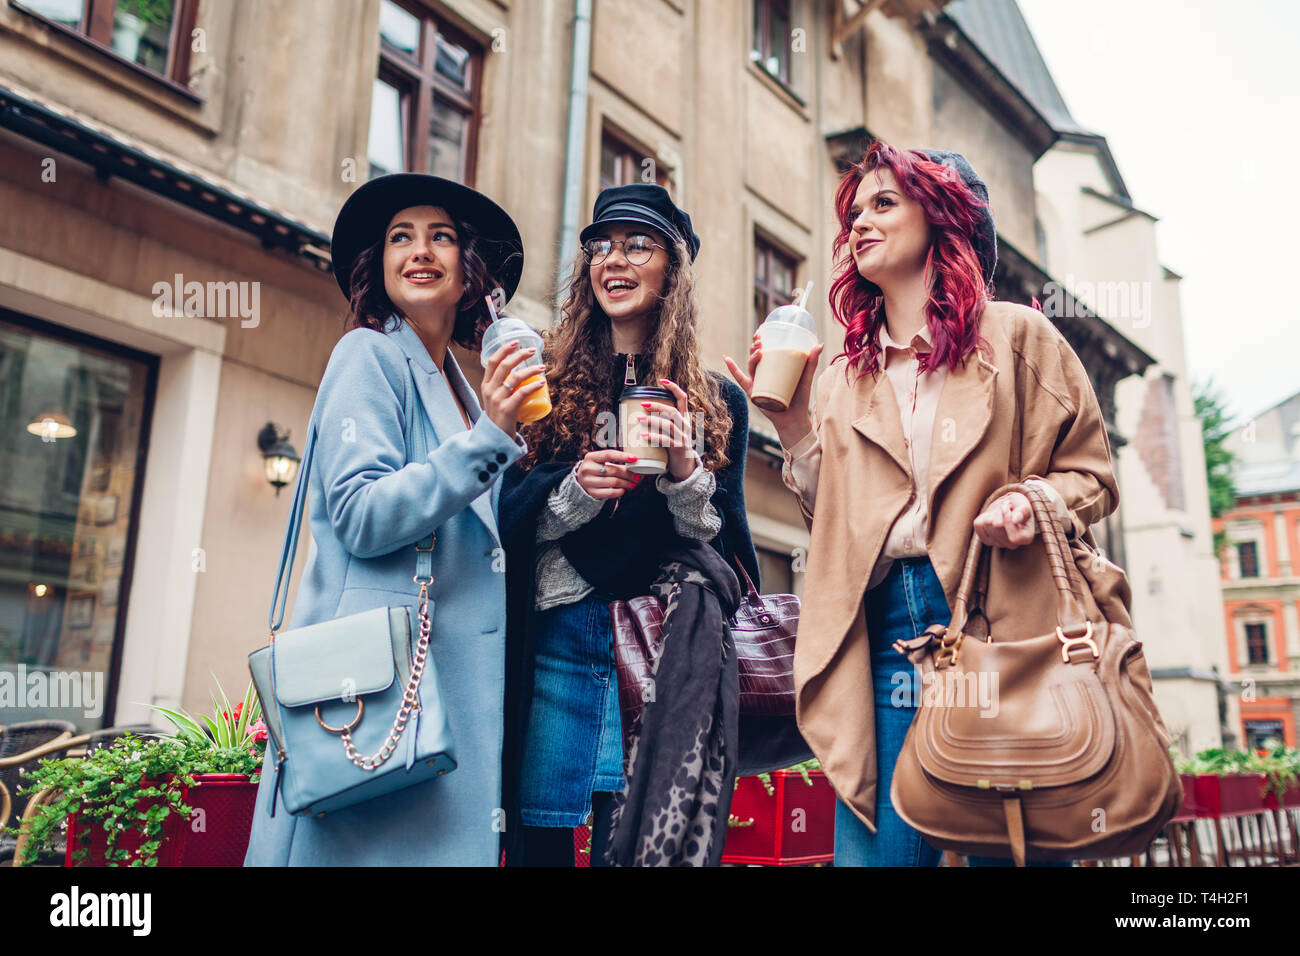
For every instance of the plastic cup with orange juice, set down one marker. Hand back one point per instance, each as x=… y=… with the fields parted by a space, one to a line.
x=503 y=331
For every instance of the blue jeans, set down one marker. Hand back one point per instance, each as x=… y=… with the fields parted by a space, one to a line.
x=574 y=742
x=902 y=606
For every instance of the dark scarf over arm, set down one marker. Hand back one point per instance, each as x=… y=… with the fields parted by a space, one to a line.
x=682 y=766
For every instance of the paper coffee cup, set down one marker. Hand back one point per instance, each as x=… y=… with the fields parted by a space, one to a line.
x=651 y=459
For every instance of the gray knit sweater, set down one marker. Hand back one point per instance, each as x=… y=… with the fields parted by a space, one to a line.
x=569 y=507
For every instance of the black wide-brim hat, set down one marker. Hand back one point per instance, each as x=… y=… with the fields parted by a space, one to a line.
x=361 y=221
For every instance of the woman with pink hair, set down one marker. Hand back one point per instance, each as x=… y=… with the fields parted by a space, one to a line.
x=941 y=396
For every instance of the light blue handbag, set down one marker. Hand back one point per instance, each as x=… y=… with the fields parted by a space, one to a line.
x=328 y=689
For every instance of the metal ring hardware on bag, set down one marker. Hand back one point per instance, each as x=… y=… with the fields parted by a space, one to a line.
x=1068 y=644
x=361 y=706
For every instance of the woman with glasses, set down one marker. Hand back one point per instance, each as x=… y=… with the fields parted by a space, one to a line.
x=628 y=318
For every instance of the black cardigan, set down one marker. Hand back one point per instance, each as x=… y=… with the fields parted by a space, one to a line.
x=600 y=552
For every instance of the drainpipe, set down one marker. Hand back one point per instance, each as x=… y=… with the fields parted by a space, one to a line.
x=574 y=152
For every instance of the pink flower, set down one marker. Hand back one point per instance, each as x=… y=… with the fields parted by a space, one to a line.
x=258 y=730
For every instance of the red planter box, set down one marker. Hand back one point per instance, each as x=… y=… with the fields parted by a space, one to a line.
x=1188 y=811
x=1230 y=795
x=217 y=834
x=1290 y=798
x=582 y=846
x=792 y=827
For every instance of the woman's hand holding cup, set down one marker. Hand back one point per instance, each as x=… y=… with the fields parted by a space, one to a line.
x=669 y=426
x=603 y=474
x=796 y=421
x=502 y=394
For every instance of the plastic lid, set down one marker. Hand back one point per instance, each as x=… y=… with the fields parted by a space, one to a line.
x=793 y=315
x=647 y=391
x=505 y=329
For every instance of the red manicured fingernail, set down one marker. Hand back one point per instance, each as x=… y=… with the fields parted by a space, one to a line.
x=645 y=404
x=631 y=457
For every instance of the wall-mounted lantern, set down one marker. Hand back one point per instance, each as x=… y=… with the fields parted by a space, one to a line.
x=280 y=458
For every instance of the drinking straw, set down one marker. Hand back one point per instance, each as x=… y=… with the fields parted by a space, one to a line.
x=492 y=309
x=803 y=296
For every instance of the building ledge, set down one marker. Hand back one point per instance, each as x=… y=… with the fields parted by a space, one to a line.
x=112 y=153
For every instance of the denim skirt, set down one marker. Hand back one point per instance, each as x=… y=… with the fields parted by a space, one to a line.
x=574 y=742
x=900 y=607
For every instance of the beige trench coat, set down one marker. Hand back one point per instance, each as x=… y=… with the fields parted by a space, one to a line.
x=1022 y=408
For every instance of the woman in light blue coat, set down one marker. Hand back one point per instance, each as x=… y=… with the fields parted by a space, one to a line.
x=415 y=255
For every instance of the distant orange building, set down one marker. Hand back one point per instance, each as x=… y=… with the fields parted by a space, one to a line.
x=1261 y=574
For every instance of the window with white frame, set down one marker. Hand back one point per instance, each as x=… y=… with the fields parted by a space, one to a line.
x=1245 y=548
x=1253 y=637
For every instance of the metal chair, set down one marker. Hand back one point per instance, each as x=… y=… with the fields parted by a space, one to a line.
x=17 y=741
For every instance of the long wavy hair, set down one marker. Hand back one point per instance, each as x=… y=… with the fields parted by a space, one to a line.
x=580 y=366
x=370 y=307
x=956 y=280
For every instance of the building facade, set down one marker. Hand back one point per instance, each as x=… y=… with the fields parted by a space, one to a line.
x=1100 y=247
x=1260 y=576
x=169 y=189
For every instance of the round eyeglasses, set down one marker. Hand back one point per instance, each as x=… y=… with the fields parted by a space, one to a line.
x=637 y=248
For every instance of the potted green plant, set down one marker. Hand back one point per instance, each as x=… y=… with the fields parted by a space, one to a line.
x=785 y=818
x=1282 y=767
x=180 y=800
x=1237 y=782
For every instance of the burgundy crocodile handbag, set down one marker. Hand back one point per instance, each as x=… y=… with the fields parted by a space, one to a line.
x=763 y=629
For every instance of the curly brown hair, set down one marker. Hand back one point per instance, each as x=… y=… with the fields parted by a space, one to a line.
x=370 y=307
x=580 y=366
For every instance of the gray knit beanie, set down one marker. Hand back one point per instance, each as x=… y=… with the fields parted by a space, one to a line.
x=985 y=239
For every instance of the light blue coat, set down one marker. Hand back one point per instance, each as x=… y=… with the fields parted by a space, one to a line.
x=367 y=510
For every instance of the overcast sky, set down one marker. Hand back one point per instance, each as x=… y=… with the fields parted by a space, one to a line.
x=1199 y=101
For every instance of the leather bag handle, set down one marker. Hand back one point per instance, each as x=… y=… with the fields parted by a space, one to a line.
x=751 y=592
x=972 y=591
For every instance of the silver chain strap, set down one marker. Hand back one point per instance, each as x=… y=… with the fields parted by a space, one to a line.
x=410 y=700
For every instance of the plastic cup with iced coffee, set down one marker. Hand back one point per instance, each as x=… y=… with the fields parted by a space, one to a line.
x=651 y=454
x=503 y=331
x=787 y=337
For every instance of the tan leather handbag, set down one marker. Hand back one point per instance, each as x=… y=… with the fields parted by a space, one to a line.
x=1045 y=748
